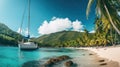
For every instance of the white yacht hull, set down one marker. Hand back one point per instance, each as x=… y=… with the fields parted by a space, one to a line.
x=28 y=46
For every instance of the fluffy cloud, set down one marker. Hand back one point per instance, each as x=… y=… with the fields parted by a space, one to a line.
x=59 y=24
x=77 y=25
x=19 y=30
x=23 y=31
x=93 y=31
x=119 y=13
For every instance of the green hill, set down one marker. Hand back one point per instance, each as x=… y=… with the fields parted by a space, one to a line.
x=58 y=39
x=8 y=37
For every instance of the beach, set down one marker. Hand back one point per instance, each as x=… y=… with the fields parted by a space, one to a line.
x=89 y=59
x=80 y=57
x=111 y=54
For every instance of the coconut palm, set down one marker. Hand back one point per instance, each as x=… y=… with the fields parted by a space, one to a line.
x=86 y=39
x=107 y=11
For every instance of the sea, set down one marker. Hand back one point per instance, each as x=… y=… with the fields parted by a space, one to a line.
x=14 y=57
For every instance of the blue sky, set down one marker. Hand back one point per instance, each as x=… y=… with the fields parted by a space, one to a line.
x=11 y=12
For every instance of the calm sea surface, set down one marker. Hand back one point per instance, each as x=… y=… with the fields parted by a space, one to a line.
x=13 y=57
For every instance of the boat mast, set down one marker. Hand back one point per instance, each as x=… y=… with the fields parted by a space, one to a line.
x=28 y=18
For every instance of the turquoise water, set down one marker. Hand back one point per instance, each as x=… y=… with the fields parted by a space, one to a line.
x=13 y=57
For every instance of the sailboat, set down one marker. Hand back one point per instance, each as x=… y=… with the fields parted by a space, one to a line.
x=28 y=45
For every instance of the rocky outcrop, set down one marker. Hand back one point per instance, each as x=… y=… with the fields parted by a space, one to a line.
x=32 y=64
x=68 y=63
x=103 y=64
x=53 y=61
x=49 y=63
x=90 y=54
x=101 y=60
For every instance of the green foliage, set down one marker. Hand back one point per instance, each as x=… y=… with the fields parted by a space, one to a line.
x=6 y=40
x=76 y=39
x=63 y=39
x=107 y=12
x=107 y=21
x=8 y=37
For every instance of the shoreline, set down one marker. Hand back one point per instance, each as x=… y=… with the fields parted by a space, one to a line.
x=109 y=53
x=91 y=59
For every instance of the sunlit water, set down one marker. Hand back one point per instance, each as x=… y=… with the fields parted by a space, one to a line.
x=13 y=57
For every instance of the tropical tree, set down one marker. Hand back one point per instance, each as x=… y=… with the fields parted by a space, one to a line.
x=107 y=12
x=101 y=35
x=85 y=38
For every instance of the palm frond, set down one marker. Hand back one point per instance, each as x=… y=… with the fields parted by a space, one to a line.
x=98 y=12
x=88 y=7
x=111 y=14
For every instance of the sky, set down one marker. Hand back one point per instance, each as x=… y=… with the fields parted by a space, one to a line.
x=47 y=16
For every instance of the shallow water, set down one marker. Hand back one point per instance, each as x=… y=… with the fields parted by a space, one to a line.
x=13 y=57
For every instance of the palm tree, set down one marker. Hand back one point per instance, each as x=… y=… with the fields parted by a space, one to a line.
x=107 y=11
x=102 y=32
x=86 y=39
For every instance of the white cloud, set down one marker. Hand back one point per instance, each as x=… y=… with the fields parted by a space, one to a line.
x=32 y=35
x=53 y=18
x=59 y=24
x=82 y=31
x=19 y=30
x=93 y=31
x=119 y=13
x=77 y=25
x=23 y=31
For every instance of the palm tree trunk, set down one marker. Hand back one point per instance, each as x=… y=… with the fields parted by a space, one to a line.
x=111 y=21
x=111 y=33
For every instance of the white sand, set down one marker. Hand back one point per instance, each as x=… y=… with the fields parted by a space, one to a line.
x=110 y=53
